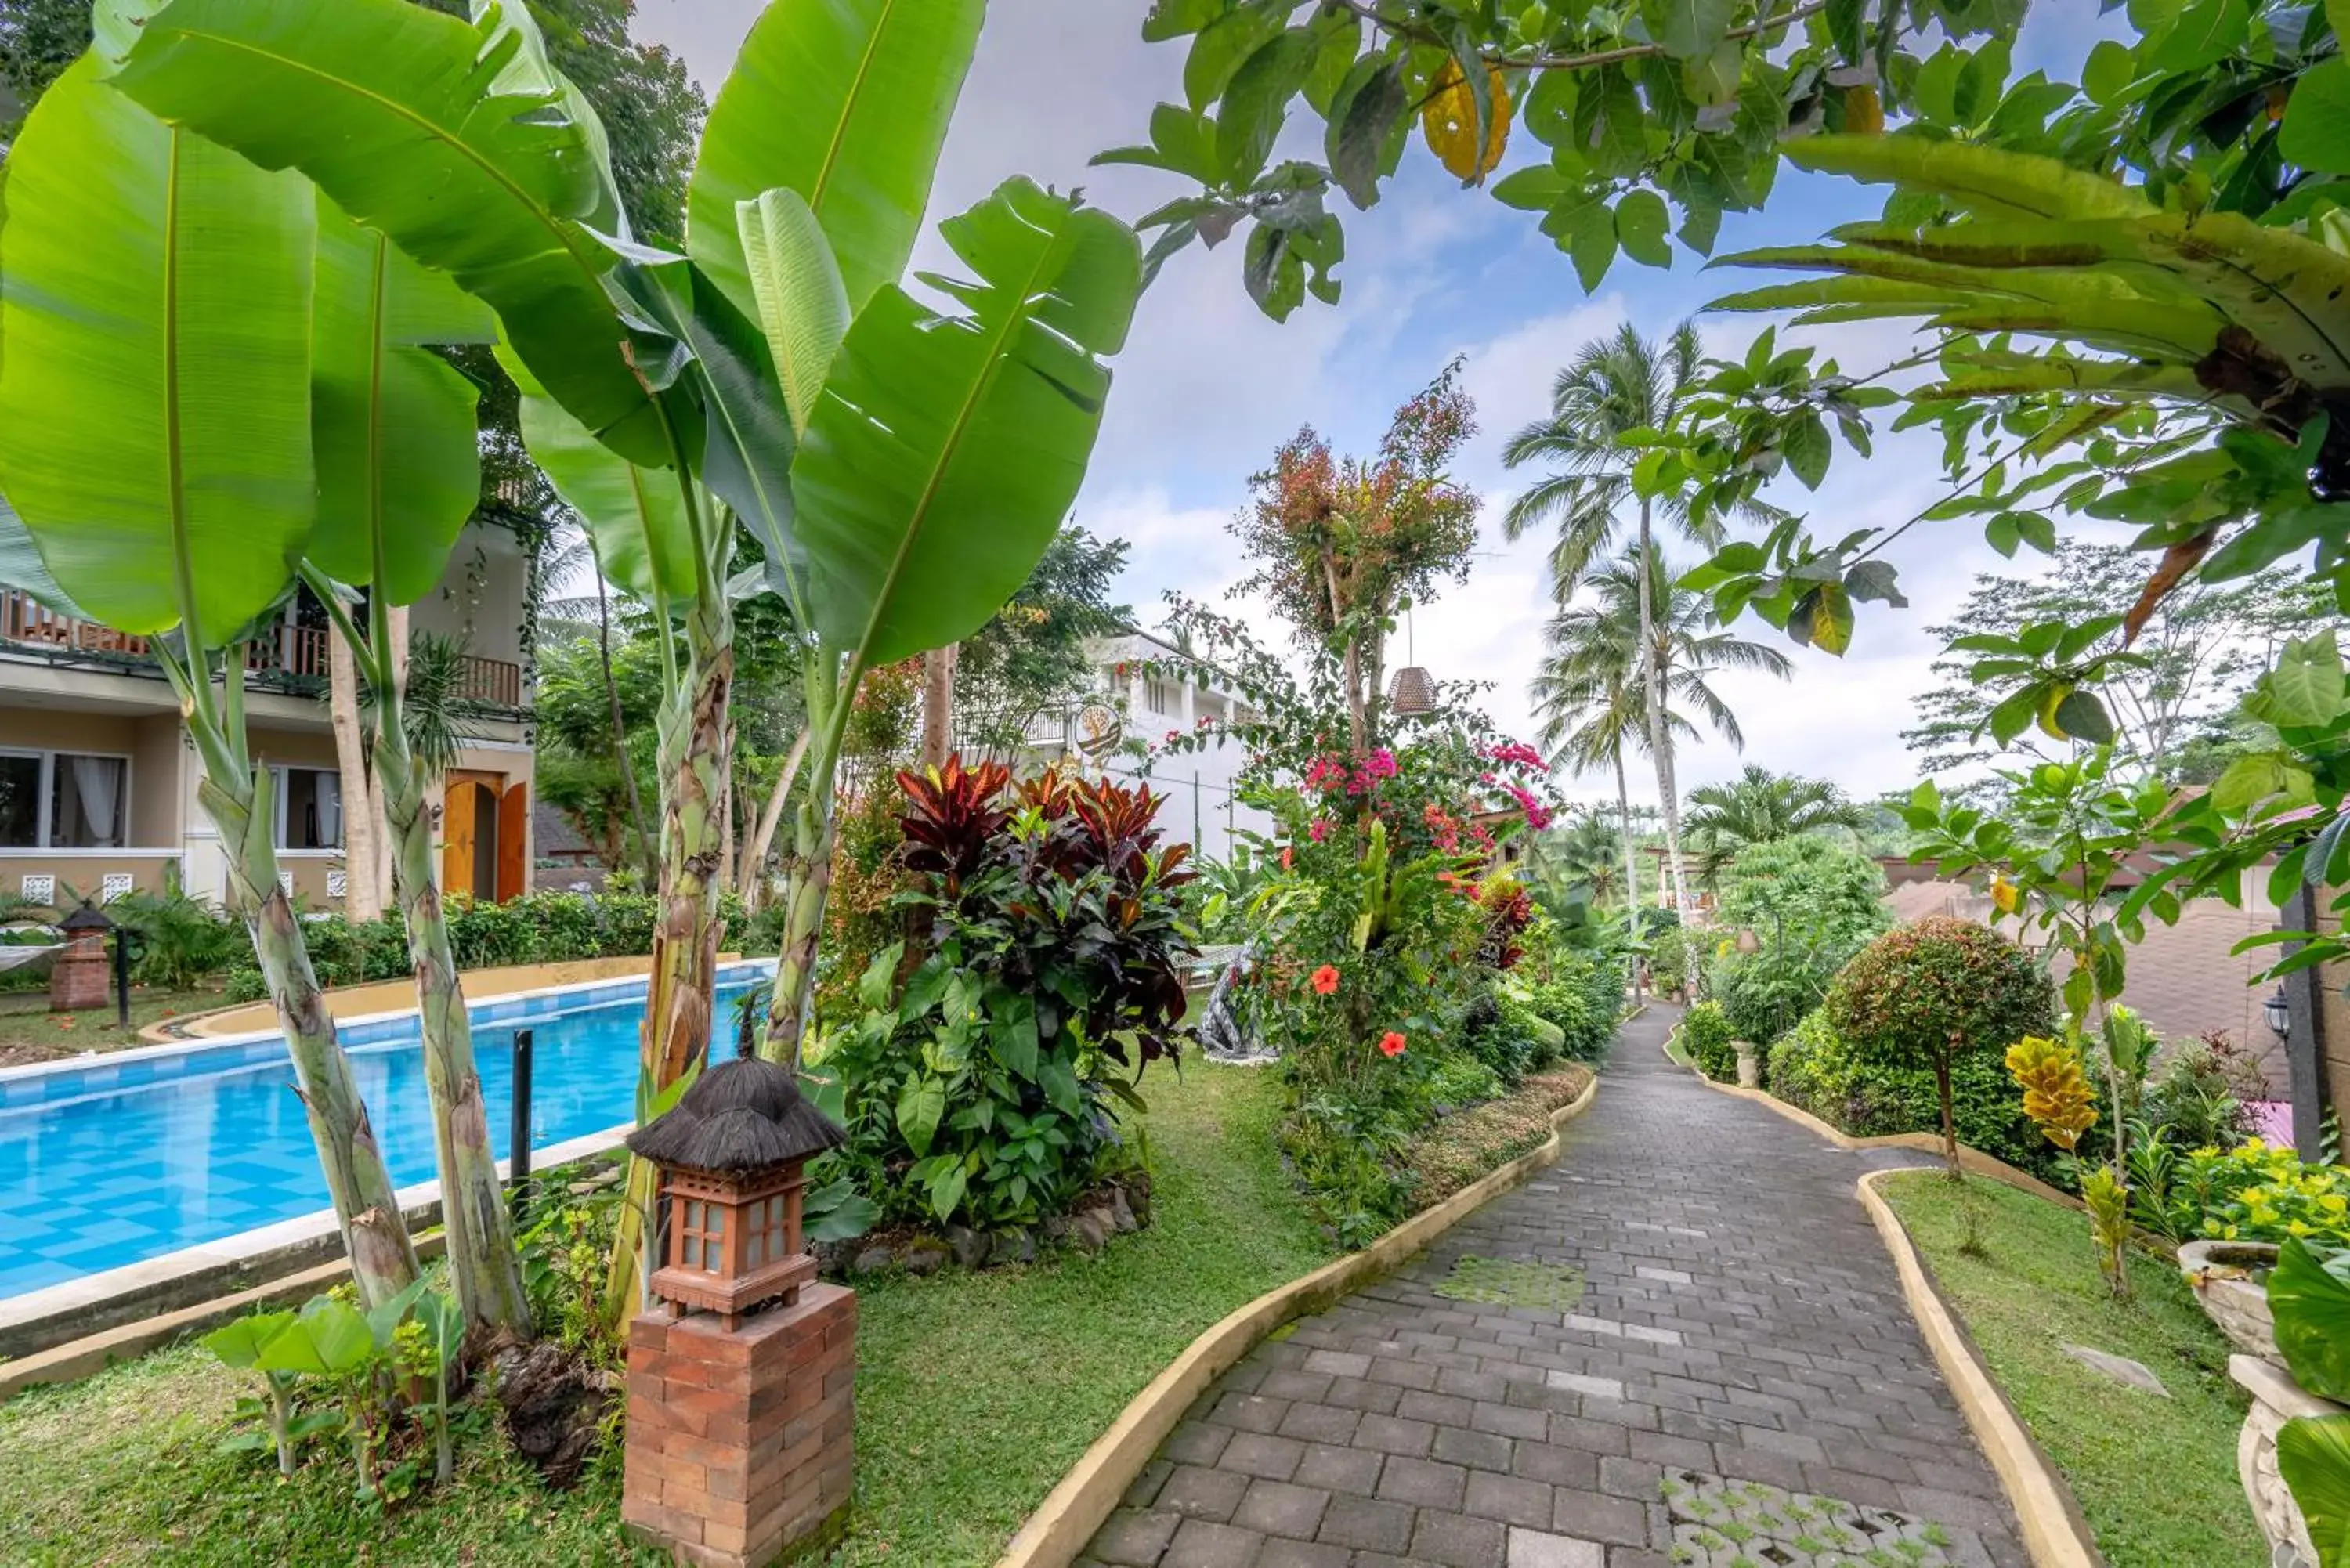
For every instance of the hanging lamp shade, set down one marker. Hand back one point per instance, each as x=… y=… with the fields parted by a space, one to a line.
x=1413 y=690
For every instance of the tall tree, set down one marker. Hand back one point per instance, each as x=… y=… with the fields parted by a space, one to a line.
x=1614 y=386
x=2195 y=656
x=1604 y=658
x=1763 y=807
x=1341 y=544
x=1033 y=654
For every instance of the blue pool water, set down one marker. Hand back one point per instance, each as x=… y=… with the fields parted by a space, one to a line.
x=114 y=1163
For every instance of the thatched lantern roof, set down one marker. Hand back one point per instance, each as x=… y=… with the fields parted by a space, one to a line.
x=740 y=1116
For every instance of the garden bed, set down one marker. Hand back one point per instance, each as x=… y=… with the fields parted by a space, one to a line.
x=2155 y=1477
x=975 y=1391
x=1464 y=1146
x=30 y=1033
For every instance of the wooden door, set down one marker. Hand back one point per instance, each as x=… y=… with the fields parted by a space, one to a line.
x=514 y=838
x=459 y=830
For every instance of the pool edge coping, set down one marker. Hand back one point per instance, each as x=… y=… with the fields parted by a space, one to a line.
x=87 y=1060
x=420 y=1204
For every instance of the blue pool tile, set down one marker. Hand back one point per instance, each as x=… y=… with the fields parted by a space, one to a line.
x=119 y=1162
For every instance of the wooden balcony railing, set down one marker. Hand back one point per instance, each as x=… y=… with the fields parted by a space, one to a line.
x=297 y=651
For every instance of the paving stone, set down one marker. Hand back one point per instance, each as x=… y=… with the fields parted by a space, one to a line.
x=1540 y=1549
x=1366 y=1525
x=1424 y=1483
x=1457 y=1541
x=1135 y=1540
x=1739 y=1328
x=1277 y=1508
x=1339 y=1470
x=1201 y=1543
x=2120 y=1368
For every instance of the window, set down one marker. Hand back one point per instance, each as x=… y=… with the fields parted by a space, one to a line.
x=1159 y=695
x=20 y=801
x=64 y=800
x=309 y=808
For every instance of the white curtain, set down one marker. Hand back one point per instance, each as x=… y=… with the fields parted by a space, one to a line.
x=97 y=784
x=329 y=789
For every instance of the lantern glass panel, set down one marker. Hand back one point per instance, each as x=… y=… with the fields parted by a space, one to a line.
x=709 y=1256
x=694 y=1215
x=754 y=1250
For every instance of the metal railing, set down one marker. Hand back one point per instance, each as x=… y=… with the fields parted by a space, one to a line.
x=293 y=653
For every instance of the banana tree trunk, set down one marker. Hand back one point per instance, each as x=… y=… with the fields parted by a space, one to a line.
x=383 y=1260
x=484 y=1265
x=808 y=884
x=680 y=991
x=619 y=729
x=363 y=888
x=770 y=816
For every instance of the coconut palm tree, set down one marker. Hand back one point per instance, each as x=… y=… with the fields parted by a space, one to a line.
x=1613 y=386
x=1640 y=632
x=1762 y=807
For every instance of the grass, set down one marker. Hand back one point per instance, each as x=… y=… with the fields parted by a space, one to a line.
x=30 y=1033
x=974 y=1394
x=2155 y=1476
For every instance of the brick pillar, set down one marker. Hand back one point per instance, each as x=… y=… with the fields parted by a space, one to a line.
x=740 y=1441
x=77 y=976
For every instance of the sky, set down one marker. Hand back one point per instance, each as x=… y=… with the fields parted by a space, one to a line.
x=1207 y=387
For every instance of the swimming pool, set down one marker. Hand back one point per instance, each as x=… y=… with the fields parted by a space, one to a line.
x=117 y=1161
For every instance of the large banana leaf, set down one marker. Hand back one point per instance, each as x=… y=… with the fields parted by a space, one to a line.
x=2313 y=1456
x=529 y=73
x=1985 y=181
x=22 y=569
x=677 y=319
x=803 y=304
x=155 y=397
x=637 y=514
x=945 y=451
x=845 y=102
x=393 y=426
x=394 y=110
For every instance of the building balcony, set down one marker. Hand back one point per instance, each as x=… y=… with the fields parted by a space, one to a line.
x=292 y=657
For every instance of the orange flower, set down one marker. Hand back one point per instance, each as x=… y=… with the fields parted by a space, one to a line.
x=1326 y=980
x=1287 y=860
x=1391 y=1044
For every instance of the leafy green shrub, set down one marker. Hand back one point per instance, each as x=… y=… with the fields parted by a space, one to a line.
x=978 y=1091
x=244 y=983
x=1813 y=1069
x=1494 y=1034
x=1707 y=1036
x=1460 y=1081
x=1669 y=962
x=1579 y=993
x=489 y=936
x=628 y=920
x=1811 y=905
x=567 y=926
x=1936 y=993
x=180 y=942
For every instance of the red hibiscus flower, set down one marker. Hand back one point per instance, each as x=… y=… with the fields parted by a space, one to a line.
x=1326 y=980
x=1391 y=1044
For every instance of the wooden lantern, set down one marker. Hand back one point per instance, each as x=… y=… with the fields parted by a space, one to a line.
x=730 y=1154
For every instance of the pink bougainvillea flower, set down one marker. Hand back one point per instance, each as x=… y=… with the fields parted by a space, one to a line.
x=1173 y=736
x=1326 y=980
x=1319 y=831
x=1391 y=1044
x=1381 y=764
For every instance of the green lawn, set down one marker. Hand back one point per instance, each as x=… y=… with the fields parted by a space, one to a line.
x=975 y=1392
x=30 y=1033
x=2155 y=1476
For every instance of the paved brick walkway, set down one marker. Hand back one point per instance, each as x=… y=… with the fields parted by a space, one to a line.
x=1741 y=1321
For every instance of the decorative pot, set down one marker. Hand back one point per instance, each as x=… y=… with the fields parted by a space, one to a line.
x=2276 y=1400
x=2227 y=1277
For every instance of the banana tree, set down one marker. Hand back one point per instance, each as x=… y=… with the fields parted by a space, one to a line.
x=399 y=468
x=901 y=469
x=155 y=294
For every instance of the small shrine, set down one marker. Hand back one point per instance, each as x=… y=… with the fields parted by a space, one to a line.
x=742 y=1374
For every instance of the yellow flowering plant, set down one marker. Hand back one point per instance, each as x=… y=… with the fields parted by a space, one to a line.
x=2262 y=1192
x=2056 y=1092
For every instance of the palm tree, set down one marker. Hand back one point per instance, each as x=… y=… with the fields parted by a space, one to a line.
x=1641 y=632
x=1584 y=854
x=1612 y=386
x=1762 y=807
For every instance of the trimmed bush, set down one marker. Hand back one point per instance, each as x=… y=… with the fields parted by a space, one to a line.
x=1936 y=994
x=1709 y=1038
x=1813 y=1070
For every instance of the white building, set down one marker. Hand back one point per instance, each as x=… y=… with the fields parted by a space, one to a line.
x=1146 y=690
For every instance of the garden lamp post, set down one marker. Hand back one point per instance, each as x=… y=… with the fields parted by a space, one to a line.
x=77 y=979
x=2278 y=1014
x=741 y=1383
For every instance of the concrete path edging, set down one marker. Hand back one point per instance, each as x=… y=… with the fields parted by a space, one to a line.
x=1057 y=1532
x=2054 y=1531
